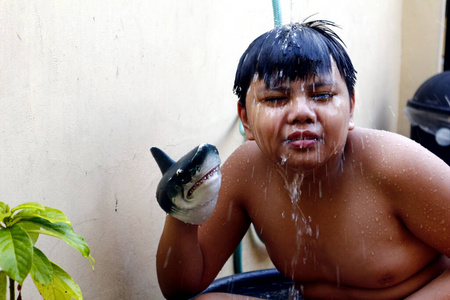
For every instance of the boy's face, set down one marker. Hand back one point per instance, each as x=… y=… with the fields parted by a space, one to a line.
x=302 y=124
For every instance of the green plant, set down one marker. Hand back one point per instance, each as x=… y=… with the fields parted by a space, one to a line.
x=20 y=228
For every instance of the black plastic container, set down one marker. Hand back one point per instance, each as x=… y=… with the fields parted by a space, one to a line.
x=265 y=284
x=429 y=114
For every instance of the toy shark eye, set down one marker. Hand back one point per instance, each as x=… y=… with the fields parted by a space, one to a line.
x=184 y=177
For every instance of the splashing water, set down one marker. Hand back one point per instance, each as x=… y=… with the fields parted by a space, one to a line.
x=284 y=159
x=301 y=221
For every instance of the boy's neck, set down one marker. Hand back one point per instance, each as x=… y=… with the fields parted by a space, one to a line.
x=328 y=172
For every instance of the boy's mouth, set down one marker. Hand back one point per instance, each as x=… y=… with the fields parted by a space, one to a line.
x=303 y=139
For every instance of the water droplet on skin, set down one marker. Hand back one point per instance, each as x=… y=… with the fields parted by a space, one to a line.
x=320 y=189
x=230 y=211
x=338 y=281
x=167 y=257
x=363 y=244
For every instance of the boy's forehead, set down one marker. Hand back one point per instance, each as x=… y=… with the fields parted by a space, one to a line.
x=276 y=82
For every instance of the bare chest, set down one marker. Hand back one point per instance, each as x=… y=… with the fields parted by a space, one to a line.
x=348 y=238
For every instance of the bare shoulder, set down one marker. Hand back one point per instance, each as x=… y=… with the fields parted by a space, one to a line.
x=414 y=180
x=403 y=167
x=243 y=160
x=243 y=171
x=394 y=152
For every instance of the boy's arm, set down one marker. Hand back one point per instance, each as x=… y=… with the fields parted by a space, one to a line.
x=189 y=257
x=438 y=289
x=423 y=205
x=179 y=260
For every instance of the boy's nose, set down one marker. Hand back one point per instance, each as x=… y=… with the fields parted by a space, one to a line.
x=301 y=111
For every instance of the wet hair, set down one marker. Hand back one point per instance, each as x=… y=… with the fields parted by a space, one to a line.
x=294 y=51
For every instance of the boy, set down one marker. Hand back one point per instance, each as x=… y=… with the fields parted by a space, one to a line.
x=345 y=212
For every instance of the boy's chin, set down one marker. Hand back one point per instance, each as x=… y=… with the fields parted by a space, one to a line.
x=302 y=164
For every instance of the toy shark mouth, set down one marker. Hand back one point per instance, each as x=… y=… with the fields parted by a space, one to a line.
x=189 y=187
x=202 y=180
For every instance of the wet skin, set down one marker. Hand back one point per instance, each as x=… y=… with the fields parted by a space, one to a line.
x=354 y=242
x=347 y=213
x=301 y=123
x=341 y=228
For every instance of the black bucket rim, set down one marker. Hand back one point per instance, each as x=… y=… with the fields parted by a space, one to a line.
x=424 y=107
x=241 y=283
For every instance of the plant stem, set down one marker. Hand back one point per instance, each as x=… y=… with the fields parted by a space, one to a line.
x=11 y=289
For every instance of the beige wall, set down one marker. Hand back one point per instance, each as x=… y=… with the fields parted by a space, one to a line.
x=87 y=87
x=423 y=29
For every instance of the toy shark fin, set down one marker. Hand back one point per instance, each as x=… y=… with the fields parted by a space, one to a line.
x=163 y=160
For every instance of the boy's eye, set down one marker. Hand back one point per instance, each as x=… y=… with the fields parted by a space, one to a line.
x=322 y=97
x=275 y=100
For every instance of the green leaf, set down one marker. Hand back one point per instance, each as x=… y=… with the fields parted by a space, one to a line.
x=4 y=207
x=4 y=211
x=16 y=250
x=41 y=270
x=5 y=215
x=62 y=231
x=54 y=215
x=3 y=285
x=28 y=205
x=31 y=229
x=63 y=287
x=51 y=214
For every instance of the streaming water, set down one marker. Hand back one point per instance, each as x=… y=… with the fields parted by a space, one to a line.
x=301 y=221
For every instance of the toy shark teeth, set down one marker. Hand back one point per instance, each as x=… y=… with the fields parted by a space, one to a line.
x=189 y=187
x=208 y=175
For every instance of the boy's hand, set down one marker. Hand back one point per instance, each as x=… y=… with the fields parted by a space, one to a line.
x=189 y=187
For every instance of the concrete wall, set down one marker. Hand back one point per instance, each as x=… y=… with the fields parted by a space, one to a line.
x=87 y=87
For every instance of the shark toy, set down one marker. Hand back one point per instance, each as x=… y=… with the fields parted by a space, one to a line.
x=189 y=187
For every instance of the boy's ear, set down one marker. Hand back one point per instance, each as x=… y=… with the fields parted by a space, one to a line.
x=242 y=112
x=351 y=123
